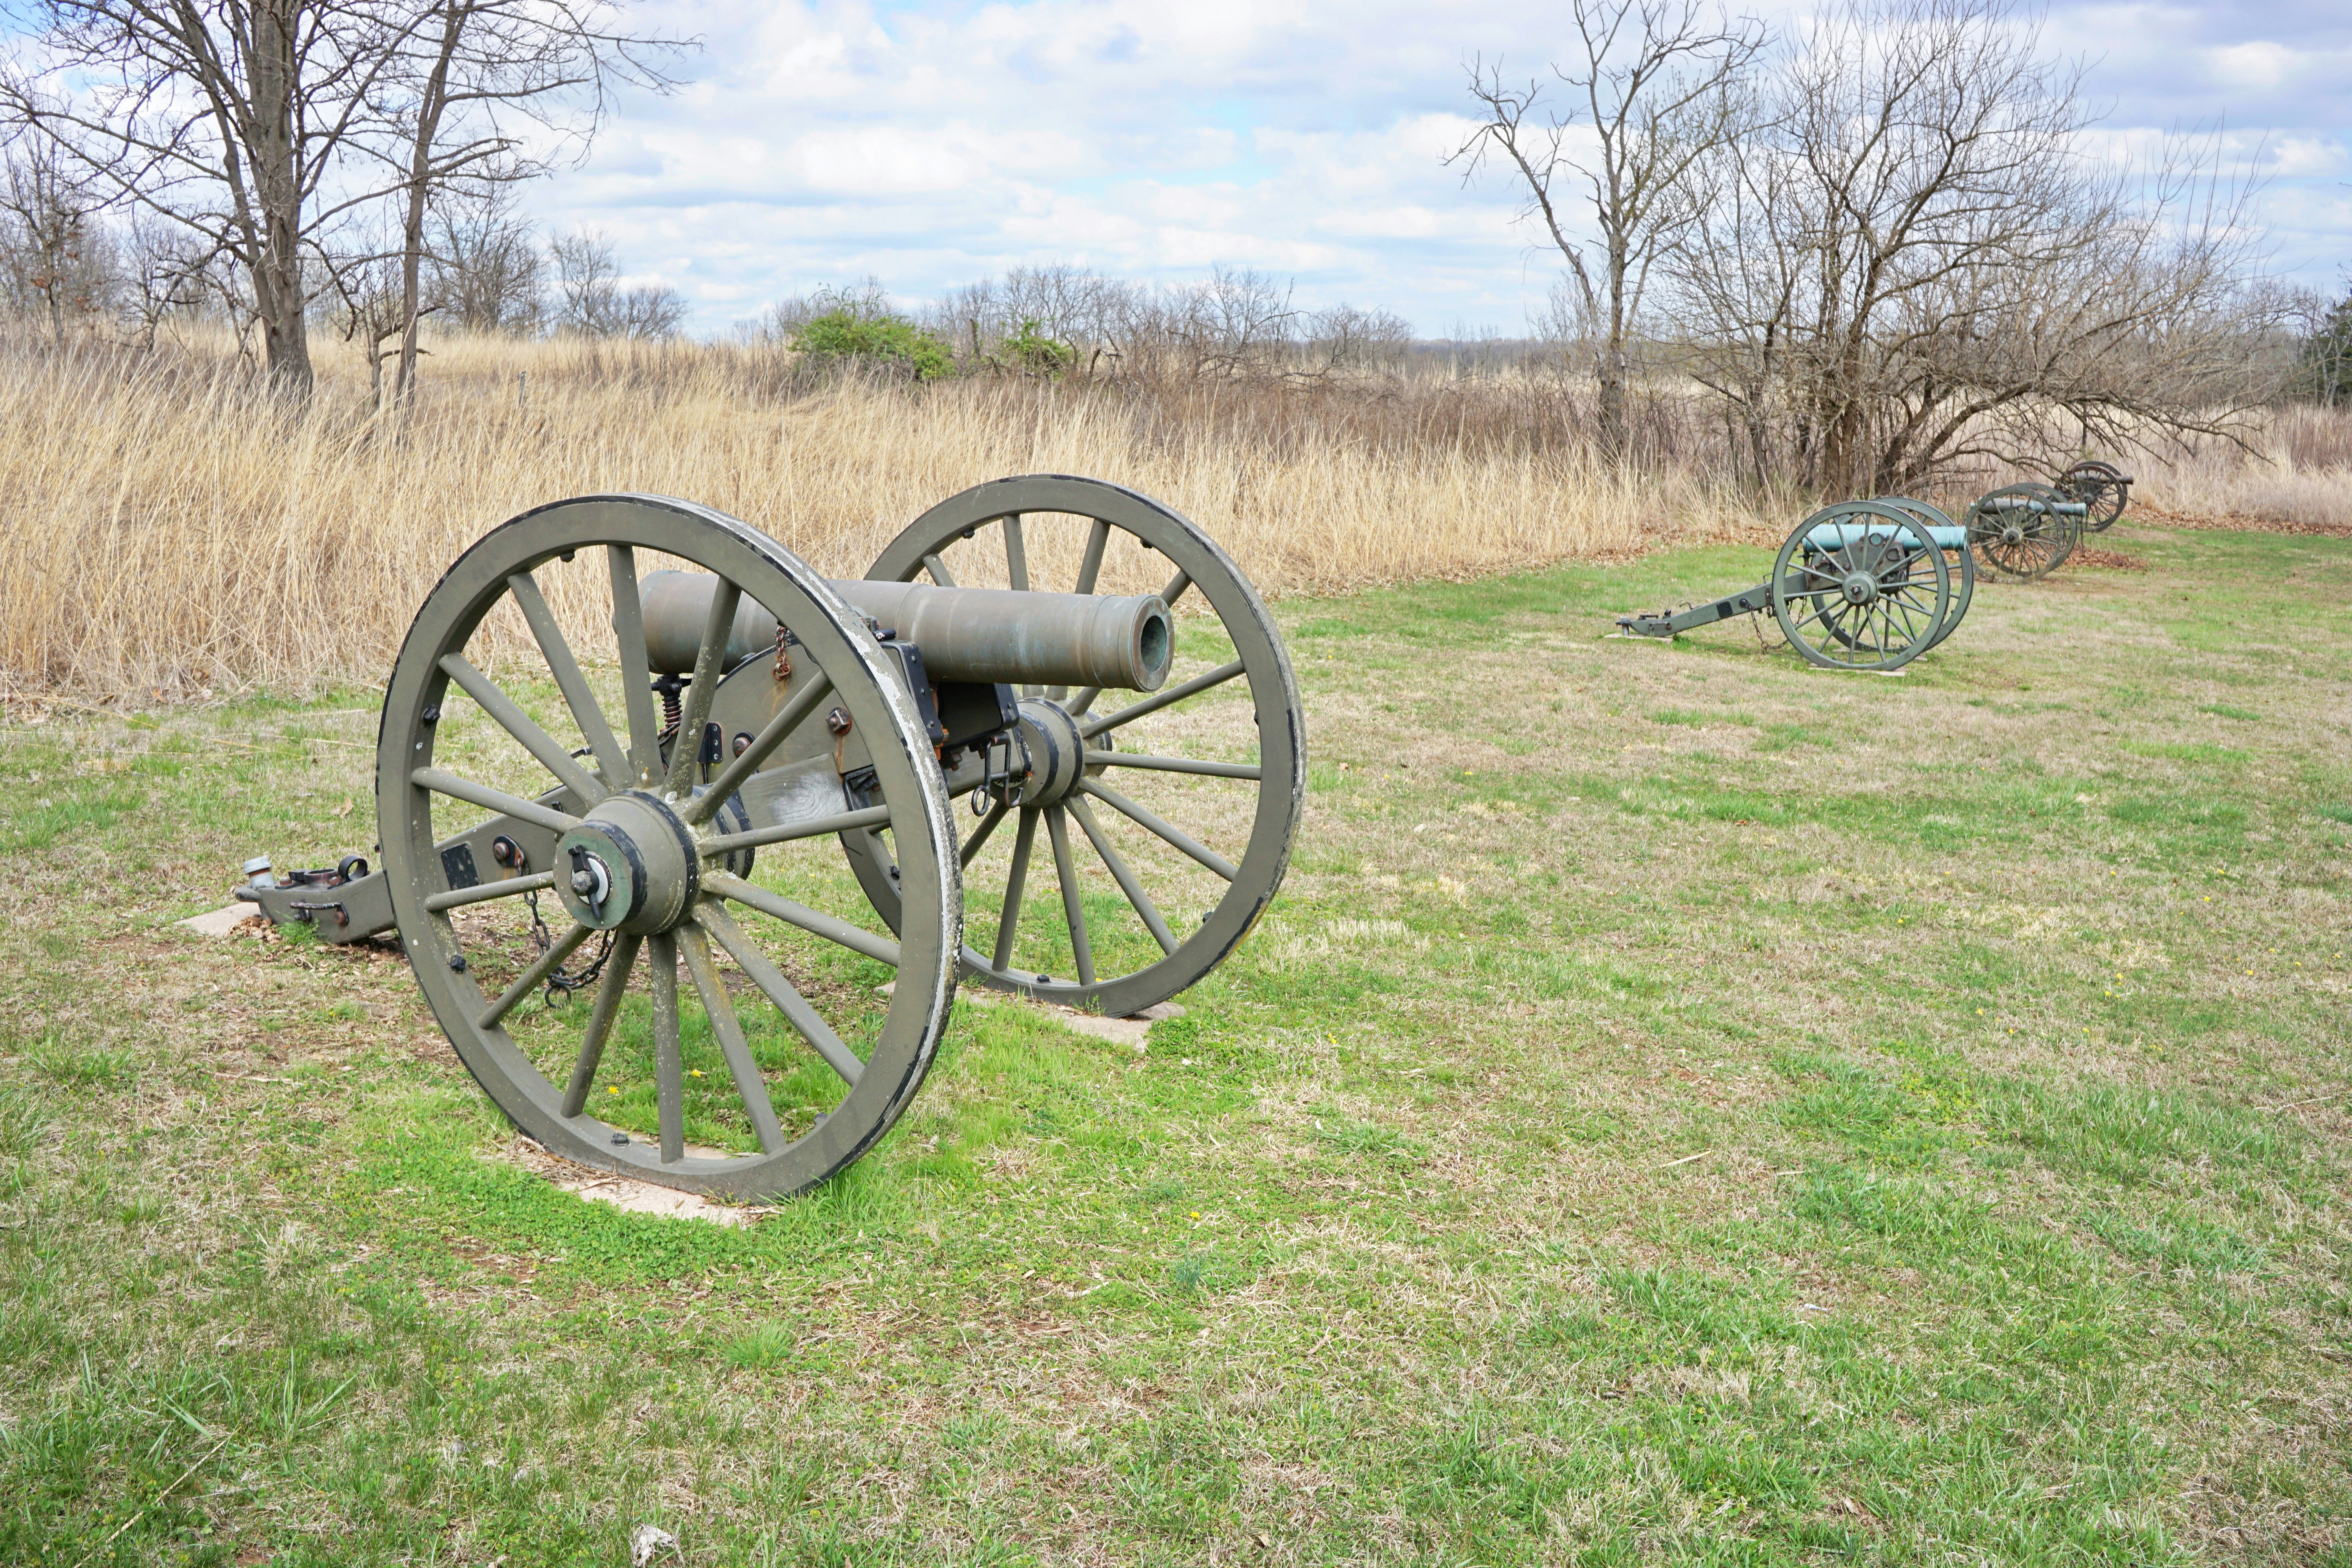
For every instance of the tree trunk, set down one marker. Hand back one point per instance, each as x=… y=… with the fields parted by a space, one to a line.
x=1610 y=370
x=431 y=104
x=278 y=298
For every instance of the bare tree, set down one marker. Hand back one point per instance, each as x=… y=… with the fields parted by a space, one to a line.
x=56 y=254
x=1905 y=260
x=493 y=91
x=237 y=119
x=590 y=299
x=164 y=267
x=483 y=266
x=373 y=311
x=1649 y=94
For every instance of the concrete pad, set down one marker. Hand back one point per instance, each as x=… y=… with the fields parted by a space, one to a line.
x=222 y=922
x=1134 y=1031
x=644 y=1198
x=627 y=1193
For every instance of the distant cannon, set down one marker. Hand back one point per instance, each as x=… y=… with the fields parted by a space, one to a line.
x=2024 y=530
x=2101 y=488
x=1864 y=585
x=674 y=802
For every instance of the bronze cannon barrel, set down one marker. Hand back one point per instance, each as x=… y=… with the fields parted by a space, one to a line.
x=965 y=634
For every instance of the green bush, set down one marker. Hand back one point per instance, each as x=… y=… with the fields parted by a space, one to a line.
x=1031 y=350
x=848 y=333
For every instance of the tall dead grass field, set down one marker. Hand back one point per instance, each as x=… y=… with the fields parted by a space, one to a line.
x=172 y=528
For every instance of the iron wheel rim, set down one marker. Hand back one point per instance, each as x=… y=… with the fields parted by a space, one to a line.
x=623 y=530
x=1886 y=632
x=1103 y=815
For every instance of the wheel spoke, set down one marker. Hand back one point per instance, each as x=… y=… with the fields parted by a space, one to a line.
x=514 y=888
x=971 y=845
x=686 y=747
x=789 y=718
x=501 y=709
x=1175 y=589
x=1158 y=701
x=939 y=569
x=531 y=979
x=1123 y=875
x=1175 y=766
x=1167 y=831
x=1090 y=565
x=1025 y=838
x=636 y=666
x=1074 y=908
x=808 y=828
x=609 y=992
x=586 y=712
x=444 y=782
x=669 y=1065
x=1089 y=573
x=1016 y=554
x=713 y=918
x=727 y=886
x=749 y=1087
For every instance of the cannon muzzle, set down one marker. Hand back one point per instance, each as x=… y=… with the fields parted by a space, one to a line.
x=985 y=634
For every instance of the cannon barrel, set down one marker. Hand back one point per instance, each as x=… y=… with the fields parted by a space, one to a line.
x=966 y=634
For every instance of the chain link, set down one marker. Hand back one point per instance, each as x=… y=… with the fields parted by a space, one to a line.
x=561 y=983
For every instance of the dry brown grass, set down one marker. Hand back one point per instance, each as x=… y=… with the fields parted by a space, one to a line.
x=170 y=527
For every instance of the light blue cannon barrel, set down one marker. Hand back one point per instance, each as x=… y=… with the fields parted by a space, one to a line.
x=1838 y=535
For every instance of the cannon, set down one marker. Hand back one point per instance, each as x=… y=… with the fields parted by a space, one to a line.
x=2103 y=489
x=753 y=776
x=2025 y=530
x=1864 y=585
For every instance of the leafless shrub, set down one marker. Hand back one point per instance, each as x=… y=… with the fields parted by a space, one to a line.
x=55 y=256
x=592 y=304
x=484 y=270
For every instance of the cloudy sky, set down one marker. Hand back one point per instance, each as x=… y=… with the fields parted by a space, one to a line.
x=932 y=142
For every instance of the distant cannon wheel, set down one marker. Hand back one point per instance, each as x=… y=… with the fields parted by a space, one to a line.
x=2016 y=532
x=1173 y=834
x=1860 y=586
x=1953 y=546
x=2101 y=488
x=646 y=859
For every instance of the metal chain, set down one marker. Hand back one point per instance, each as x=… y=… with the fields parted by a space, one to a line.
x=561 y=983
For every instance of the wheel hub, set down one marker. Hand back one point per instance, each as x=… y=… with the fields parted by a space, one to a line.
x=1860 y=587
x=632 y=864
x=1056 y=751
x=2012 y=535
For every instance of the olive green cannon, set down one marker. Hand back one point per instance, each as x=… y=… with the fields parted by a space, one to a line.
x=728 y=815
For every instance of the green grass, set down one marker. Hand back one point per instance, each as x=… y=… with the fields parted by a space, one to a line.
x=1683 y=1108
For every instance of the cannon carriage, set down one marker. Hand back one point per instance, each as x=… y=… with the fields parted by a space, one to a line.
x=1862 y=585
x=777 y=784
x=1871 y=584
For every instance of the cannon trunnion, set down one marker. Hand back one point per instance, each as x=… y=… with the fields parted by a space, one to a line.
x=740 y=826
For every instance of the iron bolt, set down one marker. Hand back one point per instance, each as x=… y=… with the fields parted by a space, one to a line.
x=458 y=962
x=837 y=722
x=743 y=742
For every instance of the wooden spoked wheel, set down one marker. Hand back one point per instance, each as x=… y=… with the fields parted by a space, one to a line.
x=775 y=1061
x=1860 y=586
x=2013 y=531
x=1174 y=833
x=2101 y=488
x=1954 y=548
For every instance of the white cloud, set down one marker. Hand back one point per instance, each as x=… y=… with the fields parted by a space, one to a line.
x=929 y=144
